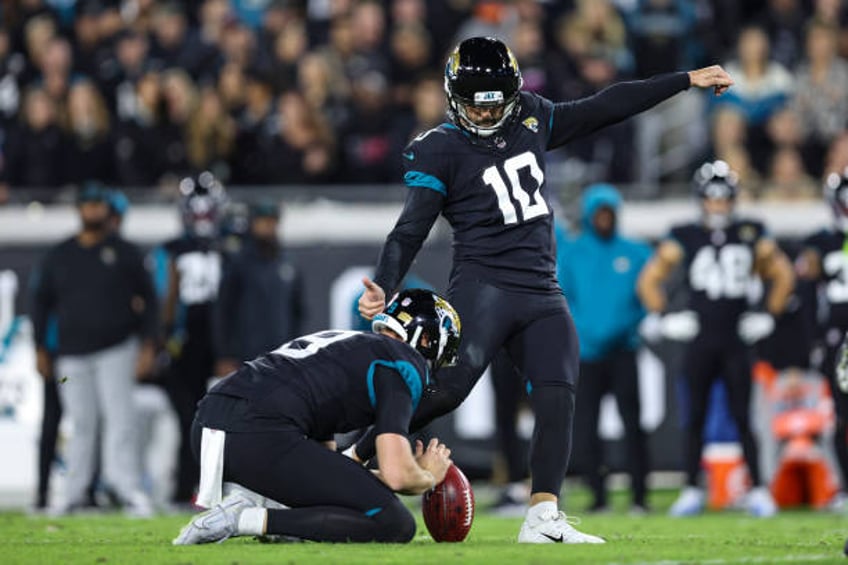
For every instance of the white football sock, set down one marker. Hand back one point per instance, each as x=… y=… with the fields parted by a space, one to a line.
x=252 y=521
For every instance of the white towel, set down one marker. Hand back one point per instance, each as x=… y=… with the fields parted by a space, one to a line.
x=211 y=467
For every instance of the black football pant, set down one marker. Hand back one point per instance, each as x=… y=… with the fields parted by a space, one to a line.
x=509 y=391
x=840 y=402
x=186 y=385
x=703 y=364
x=617 y=374
x=331 y=498
x=47 y=443
x=539 y=335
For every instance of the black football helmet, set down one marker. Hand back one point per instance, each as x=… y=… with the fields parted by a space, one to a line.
x=202 y=200
x=482 y=72
x=714 y=180
x=836 y=196
x=426 y=321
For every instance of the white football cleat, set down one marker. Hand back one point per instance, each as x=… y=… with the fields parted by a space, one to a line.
x=216 y=524
x=552 y=526
x=760 y=503
x=690 y=502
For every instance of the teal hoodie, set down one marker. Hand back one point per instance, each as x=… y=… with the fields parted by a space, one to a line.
x=598 y=277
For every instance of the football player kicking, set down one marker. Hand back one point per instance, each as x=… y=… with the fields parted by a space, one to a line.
x=265 y=427
x=825 y=261
x=485 y=172
x=721 y=254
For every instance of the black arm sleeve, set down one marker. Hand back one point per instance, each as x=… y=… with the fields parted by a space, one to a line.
x=615 y=103
x=420 y=211
x=393 y=402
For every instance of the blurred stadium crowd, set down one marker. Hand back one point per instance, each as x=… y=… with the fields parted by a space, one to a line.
x=138 y=93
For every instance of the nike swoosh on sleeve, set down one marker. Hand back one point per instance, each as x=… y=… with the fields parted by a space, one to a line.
x=409 y=155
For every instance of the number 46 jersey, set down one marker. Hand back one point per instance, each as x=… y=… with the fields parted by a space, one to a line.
x=719 y=271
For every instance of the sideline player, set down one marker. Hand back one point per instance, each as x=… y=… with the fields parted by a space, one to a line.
x=485 y=172
x=721 y=254
x=264 y=427
x=824 y=260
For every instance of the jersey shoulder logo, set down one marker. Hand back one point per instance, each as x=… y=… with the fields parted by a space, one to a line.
x=747 y=232
x=532 y=124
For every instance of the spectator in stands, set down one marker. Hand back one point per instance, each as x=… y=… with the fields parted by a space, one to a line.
x=595 y=28
x=301 y=149
x=783 y=20
x=835 y=14
x=787 y=180
x=597 y=271
x=180 y=98
x=260 y=301
x=35 y=153
x=325 y=88
x=96 y=284
x=90 y=139
x=529 y=49
x=38 y=33
x=365 y=142
x=210 y=135
x=119 y=78
x=87 y=48
x=288 y=49
x=230 y=85
x=410 y=58
x=254 y=130
x=662 y=37
x=175 y=44
x=762 y=87
x=821 y=99
x=138 y=144
x=55 y=70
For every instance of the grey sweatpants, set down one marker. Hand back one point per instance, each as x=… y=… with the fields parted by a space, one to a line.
x=98 y=388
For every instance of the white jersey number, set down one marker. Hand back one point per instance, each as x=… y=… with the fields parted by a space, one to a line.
x=311 y=344
x=835 y=264
x=722 y=273
x=200 y=274
x=529 y=210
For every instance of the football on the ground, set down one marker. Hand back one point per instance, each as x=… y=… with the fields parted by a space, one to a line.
x=449 y=507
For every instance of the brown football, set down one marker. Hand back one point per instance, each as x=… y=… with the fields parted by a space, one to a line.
x=449 y=508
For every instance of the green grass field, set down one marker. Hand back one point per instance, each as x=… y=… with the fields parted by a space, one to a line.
x=792 y=537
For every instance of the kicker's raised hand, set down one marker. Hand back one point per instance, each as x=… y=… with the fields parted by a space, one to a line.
x=713 y=76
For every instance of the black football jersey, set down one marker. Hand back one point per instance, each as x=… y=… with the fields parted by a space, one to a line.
x=198 y=263
x=323 y=383
x=495 y=196
x=830 y=245
x=493 y=190
x=719 y=271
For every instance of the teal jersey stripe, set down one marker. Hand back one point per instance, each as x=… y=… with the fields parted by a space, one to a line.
x=406 y=370
x=424 y=180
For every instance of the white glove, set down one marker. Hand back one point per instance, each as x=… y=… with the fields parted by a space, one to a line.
x=754 y=326
x=680 y=326
x=842 y=367
x=650 y=328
